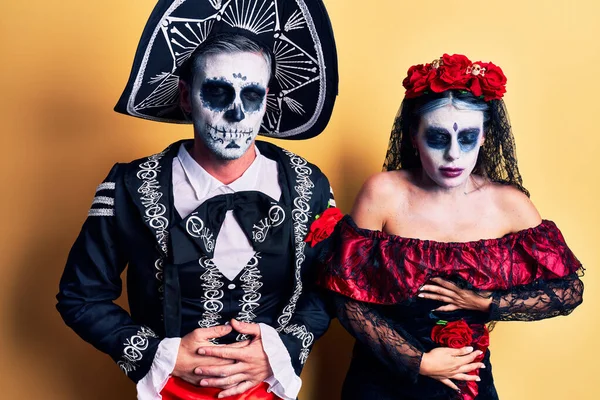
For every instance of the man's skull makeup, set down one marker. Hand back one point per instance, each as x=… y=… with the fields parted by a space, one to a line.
x=228 y=101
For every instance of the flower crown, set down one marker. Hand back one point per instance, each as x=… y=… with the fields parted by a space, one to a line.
x=456 y=72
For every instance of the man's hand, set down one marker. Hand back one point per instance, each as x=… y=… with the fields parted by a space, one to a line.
x=249 y=364
x=188 y=359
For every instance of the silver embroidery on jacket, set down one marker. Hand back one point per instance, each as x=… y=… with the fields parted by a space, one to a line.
x=154 y=210
x=300 y=332
x=104 y=200
x=195 y=228
x=151 y=194
x=212 y=283
x=134 y=348
x=251 y=284
x=275 y=217
x=301 y=214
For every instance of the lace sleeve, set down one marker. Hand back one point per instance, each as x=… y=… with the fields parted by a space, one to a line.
x=390 y=344
x=538 y=300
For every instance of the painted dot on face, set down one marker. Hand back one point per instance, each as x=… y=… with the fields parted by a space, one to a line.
x=455 y=127
x=217 y=94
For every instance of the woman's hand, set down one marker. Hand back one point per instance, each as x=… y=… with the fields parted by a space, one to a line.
x=444 y=364
x=455 y=297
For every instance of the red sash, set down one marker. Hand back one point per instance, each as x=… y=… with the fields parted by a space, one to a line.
x=177 y=389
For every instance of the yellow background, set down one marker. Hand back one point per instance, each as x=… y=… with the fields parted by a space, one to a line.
x=64 y=64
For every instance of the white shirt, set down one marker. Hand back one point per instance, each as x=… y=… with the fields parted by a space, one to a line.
x=192 y=186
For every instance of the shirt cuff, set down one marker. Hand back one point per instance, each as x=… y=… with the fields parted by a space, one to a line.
x=284 y=382
x=150 y=386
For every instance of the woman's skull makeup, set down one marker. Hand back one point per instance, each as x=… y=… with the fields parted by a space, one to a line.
x=228 y=101
x=448 y=141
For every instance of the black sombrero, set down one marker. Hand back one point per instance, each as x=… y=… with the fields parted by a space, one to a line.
x=298 y=32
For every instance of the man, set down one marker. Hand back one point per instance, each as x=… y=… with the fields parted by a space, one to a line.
x=212 y=230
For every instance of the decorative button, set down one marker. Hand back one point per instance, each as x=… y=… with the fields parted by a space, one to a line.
x=231 y=286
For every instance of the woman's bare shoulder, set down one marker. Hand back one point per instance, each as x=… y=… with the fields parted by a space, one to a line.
x=515 y=206
x=381 y=193
x=388 y=183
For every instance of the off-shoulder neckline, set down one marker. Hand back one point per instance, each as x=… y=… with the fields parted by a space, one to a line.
x=511 y=236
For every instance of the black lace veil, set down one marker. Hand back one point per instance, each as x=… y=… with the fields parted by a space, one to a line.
x=497 y=159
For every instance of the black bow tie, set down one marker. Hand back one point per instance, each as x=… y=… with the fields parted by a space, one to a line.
x=264 y=221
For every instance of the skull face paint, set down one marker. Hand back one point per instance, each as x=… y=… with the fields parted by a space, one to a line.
x=448 y=141
x=228 y=101
x=220 y=94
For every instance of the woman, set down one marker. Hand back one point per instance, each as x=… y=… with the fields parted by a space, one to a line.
x=443 y=243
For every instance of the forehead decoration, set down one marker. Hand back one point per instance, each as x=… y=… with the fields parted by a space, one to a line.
x=298 y=33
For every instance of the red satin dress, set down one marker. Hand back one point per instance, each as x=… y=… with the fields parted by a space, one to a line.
x=177 y=389
x=376 y=267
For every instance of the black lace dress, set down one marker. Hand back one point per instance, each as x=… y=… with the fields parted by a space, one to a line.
x=530 y=274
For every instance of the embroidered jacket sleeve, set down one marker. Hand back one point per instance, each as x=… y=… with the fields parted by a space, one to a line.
x=91 y=282
x=302 y=324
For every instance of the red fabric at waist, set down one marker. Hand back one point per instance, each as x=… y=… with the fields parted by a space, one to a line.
x=177 y=389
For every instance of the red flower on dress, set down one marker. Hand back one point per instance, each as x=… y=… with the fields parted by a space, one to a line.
x=455 y=334
x=458 y=334
x=481 y=339
x=323 y=226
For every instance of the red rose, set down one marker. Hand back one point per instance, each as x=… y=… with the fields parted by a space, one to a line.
x=452 y=73
x=417 y=79
x=475 y=87
x=492 y=82
x=469 y=390
x=458 y=334
x=323 y=226
x=455 y=334
x=481 y=339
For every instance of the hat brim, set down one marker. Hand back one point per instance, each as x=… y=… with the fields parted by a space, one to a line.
x=298 y=32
